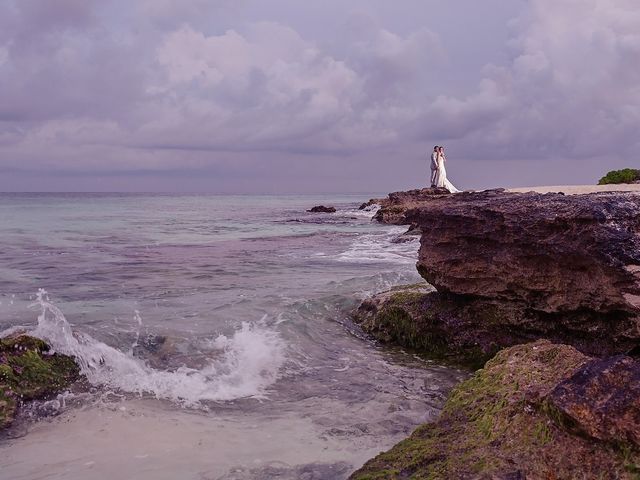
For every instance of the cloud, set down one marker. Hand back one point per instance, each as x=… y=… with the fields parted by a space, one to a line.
x=569 y=91
x=262 y=88
x=159 y=86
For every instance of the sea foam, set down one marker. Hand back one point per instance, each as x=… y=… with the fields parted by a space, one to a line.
x=377 y=247
x=248 y=362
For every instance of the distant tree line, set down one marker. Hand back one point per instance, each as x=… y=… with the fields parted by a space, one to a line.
x=626 y=175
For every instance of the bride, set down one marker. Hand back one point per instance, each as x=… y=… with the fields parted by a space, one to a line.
x=441 y=175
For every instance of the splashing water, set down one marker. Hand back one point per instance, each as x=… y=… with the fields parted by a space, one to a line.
x=249 y=363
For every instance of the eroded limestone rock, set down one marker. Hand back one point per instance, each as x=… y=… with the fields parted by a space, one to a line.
x=498 y=425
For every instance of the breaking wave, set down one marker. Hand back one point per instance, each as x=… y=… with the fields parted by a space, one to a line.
x=246 y=364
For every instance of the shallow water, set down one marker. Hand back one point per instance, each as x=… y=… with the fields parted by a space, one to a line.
x=213 y=332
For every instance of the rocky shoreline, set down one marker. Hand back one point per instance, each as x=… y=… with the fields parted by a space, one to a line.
x=539 y=293
x=548 y=288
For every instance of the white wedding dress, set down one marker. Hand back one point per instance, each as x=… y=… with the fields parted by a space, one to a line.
x=441 y=177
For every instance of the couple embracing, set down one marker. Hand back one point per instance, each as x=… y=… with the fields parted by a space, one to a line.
x=439 y=172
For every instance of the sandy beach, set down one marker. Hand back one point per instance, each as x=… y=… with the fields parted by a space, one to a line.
x=579 y=189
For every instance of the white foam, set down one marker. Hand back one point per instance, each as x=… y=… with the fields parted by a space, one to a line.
x=247 y=364
x=378 y=247
x=368 y=211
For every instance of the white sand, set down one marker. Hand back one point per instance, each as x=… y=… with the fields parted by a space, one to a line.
x=578 y=189
x=141 y=440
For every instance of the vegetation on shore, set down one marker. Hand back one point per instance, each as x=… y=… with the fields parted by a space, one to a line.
x=626 y=175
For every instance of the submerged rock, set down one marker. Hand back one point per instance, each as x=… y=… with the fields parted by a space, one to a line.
x=322 y=209
x=502 y=424
x=28 y=371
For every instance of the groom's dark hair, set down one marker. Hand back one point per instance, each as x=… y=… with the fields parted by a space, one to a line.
x=436 y=147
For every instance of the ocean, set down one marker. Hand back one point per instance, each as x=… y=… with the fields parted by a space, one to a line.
x=214 y=335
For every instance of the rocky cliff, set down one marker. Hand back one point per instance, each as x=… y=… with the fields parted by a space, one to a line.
x=505 y=269
x=510 y=268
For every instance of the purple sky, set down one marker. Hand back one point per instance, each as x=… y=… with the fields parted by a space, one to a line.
x=277 y=96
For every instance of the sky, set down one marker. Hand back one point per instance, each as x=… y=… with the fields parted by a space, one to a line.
x=295 y=96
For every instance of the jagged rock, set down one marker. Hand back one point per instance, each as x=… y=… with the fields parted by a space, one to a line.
x=552 y=252
x=497 y=425
x=437 y=325
x=602 y=400
x=507 y=269
x=410 y=235
x=28 y=371
x=566 y=267
x=393 y=209
x=511 y=268
x=322 y=209
x=371 y=202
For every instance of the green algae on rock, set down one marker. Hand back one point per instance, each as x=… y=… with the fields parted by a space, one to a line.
x=418 y=318
x=28 y=371
x=499 y=425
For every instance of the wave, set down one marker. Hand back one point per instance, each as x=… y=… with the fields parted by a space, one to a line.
x=369 y=211
x=247 y=363
x=373 y=248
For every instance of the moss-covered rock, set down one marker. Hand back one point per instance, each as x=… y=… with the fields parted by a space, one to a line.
x=28 y=371
x=453 y=330
x=498 y=425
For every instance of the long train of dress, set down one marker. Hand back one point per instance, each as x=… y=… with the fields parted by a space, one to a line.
x=441 y=178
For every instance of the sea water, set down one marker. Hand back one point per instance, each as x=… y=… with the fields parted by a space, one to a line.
x=214 y=335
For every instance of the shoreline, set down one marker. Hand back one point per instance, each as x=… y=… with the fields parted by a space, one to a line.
x=399 y=320
x=547 y=287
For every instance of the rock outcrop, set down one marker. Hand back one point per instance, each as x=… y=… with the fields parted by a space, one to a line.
x=553 y=266
x=602 y=401
x=507 y=269
x=394 y=208
x=28 y=371
x=322 y=209
x=437 y=325
x=510 y=268
x=511 y=421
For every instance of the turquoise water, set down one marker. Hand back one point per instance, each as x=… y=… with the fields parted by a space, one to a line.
x=220 y=306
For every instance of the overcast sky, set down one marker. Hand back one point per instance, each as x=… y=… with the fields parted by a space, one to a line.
x=276 y=96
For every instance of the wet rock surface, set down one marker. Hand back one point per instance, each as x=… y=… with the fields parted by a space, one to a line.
x=322 y=209
x=29 y=371
x=568 y=267
x=436 y=325
x=602 y=400
x=503 y=270
x=510 y=268
x=393 y=209
x=498 y=425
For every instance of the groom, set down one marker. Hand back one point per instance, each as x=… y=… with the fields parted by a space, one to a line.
x=434 y=165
